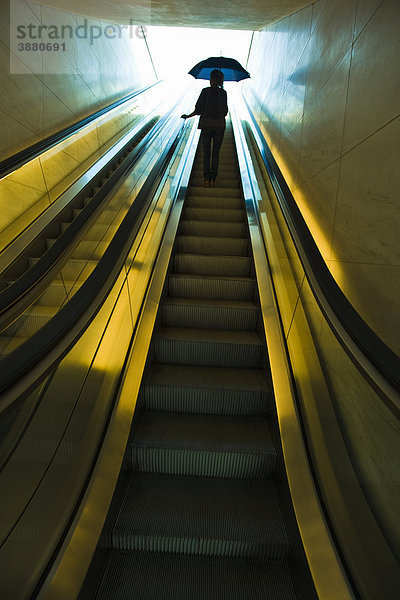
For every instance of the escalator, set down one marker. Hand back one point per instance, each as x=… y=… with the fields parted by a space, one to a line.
x=200 y=514
x=230 y=484
x=44 y=277
x=80 y=262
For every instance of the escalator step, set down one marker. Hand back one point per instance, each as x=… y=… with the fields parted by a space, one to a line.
x=219 y=288
x=225 y=173
x=213 y=228
x=214 y=214
x=208 y=347
x=227 y=162
x=203 y=445
x=220 y=314
x=157 y=576
x=209 y=390
x=202 y=516
x=230 y=246
x=197 y=264
x=224 y=158
x=230 y=202
x=223 y=182
x=64 y=226
x=230 y=169
x=217 y=192
x=228 y=151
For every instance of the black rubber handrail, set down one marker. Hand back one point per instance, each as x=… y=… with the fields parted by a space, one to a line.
x=46 y=348
x=386 y=362
x=20 y=158
x=46 y=265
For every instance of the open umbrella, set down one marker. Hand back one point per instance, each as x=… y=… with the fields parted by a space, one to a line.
x=231 y=68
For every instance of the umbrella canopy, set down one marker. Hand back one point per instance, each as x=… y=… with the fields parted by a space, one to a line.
x=231 y=68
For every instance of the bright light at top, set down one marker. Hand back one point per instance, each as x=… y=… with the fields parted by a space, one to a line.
x=175 y=50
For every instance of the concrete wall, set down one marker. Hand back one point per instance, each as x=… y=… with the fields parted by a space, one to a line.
x=58 y=88
x=325 y=88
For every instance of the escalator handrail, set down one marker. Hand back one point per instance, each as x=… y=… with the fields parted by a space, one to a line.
x=328 y=294
x=28 y=287
x=35 y=358
x=10 y=164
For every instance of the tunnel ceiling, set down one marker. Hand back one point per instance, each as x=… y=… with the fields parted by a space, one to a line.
x=216 y=14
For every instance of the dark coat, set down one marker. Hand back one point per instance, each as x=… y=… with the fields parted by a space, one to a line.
x=212 y=103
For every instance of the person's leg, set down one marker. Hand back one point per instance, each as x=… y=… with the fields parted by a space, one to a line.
x=206 y=139
x=217 y=141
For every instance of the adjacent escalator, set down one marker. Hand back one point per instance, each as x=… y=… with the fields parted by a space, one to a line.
x=75 y=262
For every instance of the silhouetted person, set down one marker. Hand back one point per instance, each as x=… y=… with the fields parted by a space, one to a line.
x=212 y=107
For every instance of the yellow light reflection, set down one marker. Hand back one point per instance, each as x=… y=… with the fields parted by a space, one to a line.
x=322 y=238
x=28 y=191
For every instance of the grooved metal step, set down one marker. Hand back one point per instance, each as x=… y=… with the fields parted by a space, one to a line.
x=214 y=214
x=198 y=264
x=217 y=287
x=224 y=171
x=230 y=202
x=65 y=225
x=223 y=158
x=216 y=192
x=201 y=516
x=209 y=314
x=158 y=576
x=207 y=390
x=228 y=246
x=208 y=347
x=203 y=445
x=226 y=161
x=213 y=228
x=223 y=181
